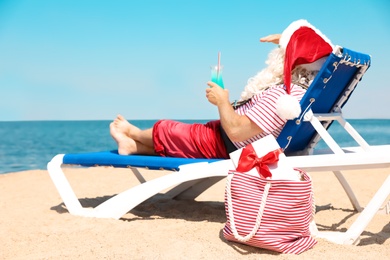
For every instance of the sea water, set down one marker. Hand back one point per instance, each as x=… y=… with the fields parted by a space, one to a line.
x=31 y=145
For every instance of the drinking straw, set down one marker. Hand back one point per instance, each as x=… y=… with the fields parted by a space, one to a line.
x=219 y=64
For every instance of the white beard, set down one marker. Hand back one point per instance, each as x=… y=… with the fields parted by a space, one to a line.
x=270 y=76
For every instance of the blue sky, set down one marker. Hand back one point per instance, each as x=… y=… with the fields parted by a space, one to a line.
x=145 y=59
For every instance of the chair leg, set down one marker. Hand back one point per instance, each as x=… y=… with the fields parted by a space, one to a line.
x=348 y=190
x=193 y=190
x=368 y=213
x=352 y=235
x=138 y=174
x=386 y=208
x=64 y=188
x=181 y=189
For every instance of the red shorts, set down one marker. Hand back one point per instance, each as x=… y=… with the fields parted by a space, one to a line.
x=177 y=139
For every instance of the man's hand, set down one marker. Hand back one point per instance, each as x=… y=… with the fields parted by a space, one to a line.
x=274 y=38
x=216 y=95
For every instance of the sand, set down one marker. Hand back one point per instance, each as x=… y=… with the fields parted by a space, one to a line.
x=34 y=223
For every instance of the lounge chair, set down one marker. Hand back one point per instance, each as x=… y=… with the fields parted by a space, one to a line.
x=321 y=105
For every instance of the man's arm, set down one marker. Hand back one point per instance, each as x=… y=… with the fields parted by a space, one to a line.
x=237 y=127
x=274 y=38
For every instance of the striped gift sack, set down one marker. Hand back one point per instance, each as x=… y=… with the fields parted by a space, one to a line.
x=269 y=214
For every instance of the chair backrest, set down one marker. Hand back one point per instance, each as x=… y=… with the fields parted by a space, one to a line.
x=328 y=93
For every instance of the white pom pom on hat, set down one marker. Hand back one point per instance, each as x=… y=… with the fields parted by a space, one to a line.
x=303 y=44
x=288 y=107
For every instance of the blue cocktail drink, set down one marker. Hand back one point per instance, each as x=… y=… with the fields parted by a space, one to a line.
x=216 y=75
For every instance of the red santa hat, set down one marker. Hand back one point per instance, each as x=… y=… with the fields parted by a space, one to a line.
x=306 y=46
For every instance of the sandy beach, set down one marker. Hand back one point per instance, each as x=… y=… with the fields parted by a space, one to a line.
x=34 y=223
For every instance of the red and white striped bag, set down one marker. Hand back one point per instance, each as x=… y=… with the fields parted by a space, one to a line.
x=269 y=214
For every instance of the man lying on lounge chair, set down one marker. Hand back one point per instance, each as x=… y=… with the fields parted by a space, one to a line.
x=269 y=99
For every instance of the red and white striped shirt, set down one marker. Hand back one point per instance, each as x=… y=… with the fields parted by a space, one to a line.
x=261 y=109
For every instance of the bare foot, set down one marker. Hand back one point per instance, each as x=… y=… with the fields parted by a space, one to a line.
x=126 y=145
x=123 y=126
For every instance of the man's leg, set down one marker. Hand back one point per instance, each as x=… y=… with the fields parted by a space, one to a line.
x=130 y=139
x=144 y=137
